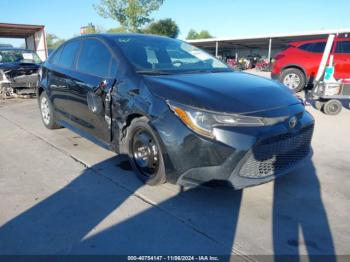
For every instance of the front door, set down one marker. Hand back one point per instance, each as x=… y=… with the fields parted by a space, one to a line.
x=93 y=82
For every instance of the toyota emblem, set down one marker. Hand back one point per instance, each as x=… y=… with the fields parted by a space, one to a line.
x=292 y=122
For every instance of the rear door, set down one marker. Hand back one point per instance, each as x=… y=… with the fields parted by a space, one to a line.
x=342 y=59
x=94 y=79
x=60 y=76
x=312 y=57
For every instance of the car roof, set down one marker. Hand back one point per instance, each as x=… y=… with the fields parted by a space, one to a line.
x=111 y=36
x=299 y=43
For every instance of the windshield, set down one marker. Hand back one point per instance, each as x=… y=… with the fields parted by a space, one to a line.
x=19 y=56
x=163 y=55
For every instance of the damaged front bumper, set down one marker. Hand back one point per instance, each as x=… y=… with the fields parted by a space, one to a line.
x=241 y=156
x=18 y=82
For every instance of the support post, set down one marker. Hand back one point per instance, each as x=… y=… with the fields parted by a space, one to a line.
x=269 y=54
x=216 y=48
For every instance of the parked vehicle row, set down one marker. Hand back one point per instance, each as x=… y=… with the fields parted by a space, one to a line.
x=179 y=114
x=249 y=62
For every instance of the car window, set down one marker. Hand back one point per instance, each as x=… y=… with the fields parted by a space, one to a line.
x=167 y=55
x=317 y=47
x=304 y=47
x=68 y=54
x=56 y=56
x=314 y=47
x=343 y=47
x=113 y=67
x=94 y=58
x=19 y=56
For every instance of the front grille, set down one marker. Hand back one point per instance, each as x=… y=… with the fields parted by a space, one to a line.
x=277 y=154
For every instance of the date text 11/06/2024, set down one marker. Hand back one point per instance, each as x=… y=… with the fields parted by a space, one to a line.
x=173 y=258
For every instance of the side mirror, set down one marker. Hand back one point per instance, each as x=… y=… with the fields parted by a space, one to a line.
x=101 y=87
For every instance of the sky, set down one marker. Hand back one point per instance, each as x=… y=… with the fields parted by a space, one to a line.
x=222 y=18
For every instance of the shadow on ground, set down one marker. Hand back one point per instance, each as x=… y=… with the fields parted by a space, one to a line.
x=202 y=220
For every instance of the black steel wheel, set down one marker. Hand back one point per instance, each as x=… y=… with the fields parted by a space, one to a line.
x=332 y=107
x=145 y=153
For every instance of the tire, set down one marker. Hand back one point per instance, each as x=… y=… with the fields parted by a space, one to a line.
x=293 y=78
x=319 y=105
x=142 y=143
x=47 y=113
x=332 y=107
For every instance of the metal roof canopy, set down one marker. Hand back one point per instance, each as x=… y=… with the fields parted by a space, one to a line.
x=34 y=36
x=262 y=41
x=18 y=30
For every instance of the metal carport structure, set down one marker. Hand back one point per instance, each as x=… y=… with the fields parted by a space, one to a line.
x=34 y=36
x=271 y=43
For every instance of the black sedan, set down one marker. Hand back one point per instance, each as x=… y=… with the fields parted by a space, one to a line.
x=179 y=114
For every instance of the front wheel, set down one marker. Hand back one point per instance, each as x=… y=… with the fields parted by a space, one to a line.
x=294 y=79
x=145 y=153
x=47 y=112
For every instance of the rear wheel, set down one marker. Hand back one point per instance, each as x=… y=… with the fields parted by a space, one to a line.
x=145 y=154
x=47 y=112
x=293 y=78
x=332 y=107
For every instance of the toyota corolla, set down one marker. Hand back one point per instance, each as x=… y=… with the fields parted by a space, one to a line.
x=179 y=114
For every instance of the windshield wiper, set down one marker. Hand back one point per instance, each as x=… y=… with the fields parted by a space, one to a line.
x=221 y=70
x=27 y=63
x=152 y=72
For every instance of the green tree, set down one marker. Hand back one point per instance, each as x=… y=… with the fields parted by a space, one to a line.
x=204 y=34
x=119 y=29
x=53 y=41
x=131 y=14
x=166 y=27
x=192 y=34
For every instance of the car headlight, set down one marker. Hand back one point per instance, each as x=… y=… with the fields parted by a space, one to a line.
x=203 y=122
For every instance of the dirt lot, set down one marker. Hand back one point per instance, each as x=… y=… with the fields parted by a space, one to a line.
x=61 y=194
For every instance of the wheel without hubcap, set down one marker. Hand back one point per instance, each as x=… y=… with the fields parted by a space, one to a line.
x=145 y=153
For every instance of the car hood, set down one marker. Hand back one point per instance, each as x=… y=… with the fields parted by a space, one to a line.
x=230 y=92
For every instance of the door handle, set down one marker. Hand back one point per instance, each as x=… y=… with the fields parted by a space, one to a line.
x=53 y=86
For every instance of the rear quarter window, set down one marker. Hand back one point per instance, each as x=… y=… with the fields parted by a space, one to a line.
x=68 y=54
x=304 y=47
x=314 y=47
x=56 y=56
